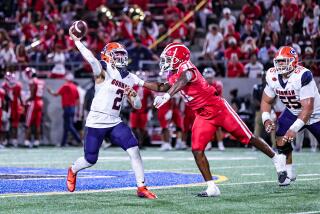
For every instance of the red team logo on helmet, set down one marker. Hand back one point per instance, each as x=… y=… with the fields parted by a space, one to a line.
x=173 y=56
x=115 y=54
x=285 y=60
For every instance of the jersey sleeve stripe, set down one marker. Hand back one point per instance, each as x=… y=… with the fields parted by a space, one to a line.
x=306 y=78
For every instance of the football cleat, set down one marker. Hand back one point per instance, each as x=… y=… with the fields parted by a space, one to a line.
x=279 y=162
x=210 y=192
x=71 y=180
x=283 y=179
x=221 y=146
x=143 y=192
x=165 y=147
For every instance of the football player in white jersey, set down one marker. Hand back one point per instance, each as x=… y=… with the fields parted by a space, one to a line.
x=296 y=88
x=112 y=83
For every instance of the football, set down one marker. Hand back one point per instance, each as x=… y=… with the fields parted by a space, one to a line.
x=79 y=28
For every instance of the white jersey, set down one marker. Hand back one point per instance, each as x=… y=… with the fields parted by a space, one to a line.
x=300 y=85
x=108 y=98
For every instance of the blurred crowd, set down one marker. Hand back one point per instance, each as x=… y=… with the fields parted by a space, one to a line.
x=236 y=38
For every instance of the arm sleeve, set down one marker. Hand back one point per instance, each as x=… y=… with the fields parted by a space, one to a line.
x=308 y=86
x=269 y=91
x=94 y=63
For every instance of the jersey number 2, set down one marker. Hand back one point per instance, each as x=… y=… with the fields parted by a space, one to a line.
x=290 y=102
x=117 y=101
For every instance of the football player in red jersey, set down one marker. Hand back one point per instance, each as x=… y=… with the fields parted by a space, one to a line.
x=12 y=88
x=139 y=117
x=209 y=74
x=35 y=106
x=211 y=111
x=2 y=106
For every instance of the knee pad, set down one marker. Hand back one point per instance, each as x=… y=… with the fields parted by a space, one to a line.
x=91 y=158
x=286 y=149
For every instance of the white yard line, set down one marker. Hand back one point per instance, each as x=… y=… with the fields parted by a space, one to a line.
x=133 y=188
x=308 y=212
x=253 y=174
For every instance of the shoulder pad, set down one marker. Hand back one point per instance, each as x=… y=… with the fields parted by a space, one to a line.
x=104 y=65
x=306 y=78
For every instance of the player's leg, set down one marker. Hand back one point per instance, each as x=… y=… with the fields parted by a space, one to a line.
x=233 y=124
x=202 y=132
x=15 y=119
x=29 y=118
x=315 y=131
x=285 y=120
x=219 y=137
x=37 y=122
x=93 y=141
x=177 y=119
x=165 y=135
x=122 y=136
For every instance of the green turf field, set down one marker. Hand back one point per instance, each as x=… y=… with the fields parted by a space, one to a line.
x=251 y=186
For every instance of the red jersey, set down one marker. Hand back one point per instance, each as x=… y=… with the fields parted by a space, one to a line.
x=144 y=94
x=69 y=94
x=219 y=87
x=198 y=93
x=38 y=87
x=2 y=98
x=14 y=93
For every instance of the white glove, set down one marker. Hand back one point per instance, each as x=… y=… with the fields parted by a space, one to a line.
x=161 y=100
x=168 y=115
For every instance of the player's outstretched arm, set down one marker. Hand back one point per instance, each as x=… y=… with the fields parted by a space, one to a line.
x=87 y=54
x=266 y=104
x=157 y=86
x=183 y=80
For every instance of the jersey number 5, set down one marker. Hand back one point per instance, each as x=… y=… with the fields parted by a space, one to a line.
x=117 y=101
x=290 y=102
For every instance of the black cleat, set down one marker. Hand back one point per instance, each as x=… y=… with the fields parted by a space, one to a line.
x=282 y=176
x=203 y=194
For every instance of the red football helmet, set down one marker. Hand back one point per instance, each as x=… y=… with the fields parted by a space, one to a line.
x=173 y=56
x=10 y=78
x=30 y=72
x=286 y=60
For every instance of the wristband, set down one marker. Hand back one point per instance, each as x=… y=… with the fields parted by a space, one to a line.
x=265 y=116
x=297 y=125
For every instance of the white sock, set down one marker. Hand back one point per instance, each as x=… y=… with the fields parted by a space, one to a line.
x=80 y=164
x=289 y=170
x=137 y=165
x=211 y=184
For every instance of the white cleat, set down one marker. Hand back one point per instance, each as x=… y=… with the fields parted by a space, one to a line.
x=27 y=143
x=221 y=146
x=208 y=147
x=279 y=162
x=36 y=143
x=180 y=146
x=166 y=147
x=210 y=192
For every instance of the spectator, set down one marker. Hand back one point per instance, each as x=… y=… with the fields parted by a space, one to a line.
x=270 y=64
x=67 y=14
x=248 y=48
x=274 y=23
x=233 y=48
x=309 y=61
x=126 y=27
x=21 y=54
x=290 y=14
x=251 y=10
x=150 y=25
x=263 y=53
x=249 y=31
x=226 y=21
x=145 y=38
x=69 y=100
x=310 y=24
x=213 y=43
x=234 y=67
x=253 y=69
x=231 y=33
x=137 y=53
x=58 y=58
x=267 y=32
x=7 y=55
